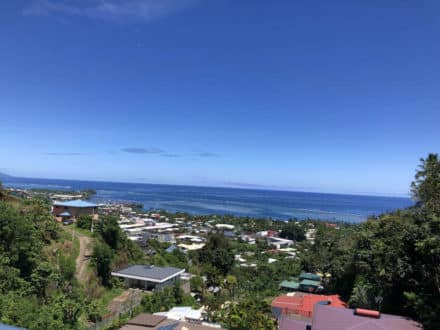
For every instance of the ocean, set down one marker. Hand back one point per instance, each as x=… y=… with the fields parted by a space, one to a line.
x=278 y=205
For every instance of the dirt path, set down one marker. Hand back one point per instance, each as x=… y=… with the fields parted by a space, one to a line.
x=83 y=258
x=125 y=302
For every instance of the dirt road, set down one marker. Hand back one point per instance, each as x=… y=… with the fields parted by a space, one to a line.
x=83 y=258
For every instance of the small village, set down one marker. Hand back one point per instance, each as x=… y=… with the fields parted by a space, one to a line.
x=300 y=301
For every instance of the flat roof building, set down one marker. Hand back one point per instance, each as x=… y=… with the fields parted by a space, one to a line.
x=326 y=317
x=147 y=277
x=159 y=322
x=301 y=304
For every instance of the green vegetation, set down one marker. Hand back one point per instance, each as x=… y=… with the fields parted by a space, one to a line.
x=247 y=314
x=38 y=288
x=390 y=262
x=166 y=299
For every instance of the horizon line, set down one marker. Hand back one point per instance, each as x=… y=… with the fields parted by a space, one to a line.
x=244 y=187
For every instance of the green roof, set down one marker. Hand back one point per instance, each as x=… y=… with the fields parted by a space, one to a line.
x=289 y=285
x=309 y=276
x=310 y=283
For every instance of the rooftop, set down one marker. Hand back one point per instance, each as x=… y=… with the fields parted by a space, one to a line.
x=302 y=304
x=157 y=322
x=330 y=318
x=310 y=282
x=290 y=285
x=149 y=273
x=309 y=276
x=74 y=203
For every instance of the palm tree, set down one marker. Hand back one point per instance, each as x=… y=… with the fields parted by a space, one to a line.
x=426 y=186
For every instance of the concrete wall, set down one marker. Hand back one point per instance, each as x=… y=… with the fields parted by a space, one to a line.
x=150 y=286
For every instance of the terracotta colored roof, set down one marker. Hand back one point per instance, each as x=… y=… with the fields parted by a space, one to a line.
x=302 y=304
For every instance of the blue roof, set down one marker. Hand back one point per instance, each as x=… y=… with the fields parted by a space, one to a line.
x=8 y=327
x=171 y=248
x=75 y=203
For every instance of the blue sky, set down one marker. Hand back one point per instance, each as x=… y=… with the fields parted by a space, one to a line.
x=331 y=96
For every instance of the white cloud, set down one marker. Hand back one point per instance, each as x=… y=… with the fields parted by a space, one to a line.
x=118 y=10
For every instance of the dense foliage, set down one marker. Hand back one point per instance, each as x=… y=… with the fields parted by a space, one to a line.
x=392 y=262
x=37 y=289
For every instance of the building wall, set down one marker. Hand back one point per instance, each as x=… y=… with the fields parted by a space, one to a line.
x=150 y=286
x=74 y=211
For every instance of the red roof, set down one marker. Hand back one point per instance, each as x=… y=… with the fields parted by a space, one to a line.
x=302 y=304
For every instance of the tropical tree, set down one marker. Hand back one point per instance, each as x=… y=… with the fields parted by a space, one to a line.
x=426 y=186
x=217 y=252
x=102 y=258
x=247 y=314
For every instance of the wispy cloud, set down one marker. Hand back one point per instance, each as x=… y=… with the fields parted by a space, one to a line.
x=134 y=150
x=207 y=154
x=64 y=154
x=117 y=10
x=171 y=155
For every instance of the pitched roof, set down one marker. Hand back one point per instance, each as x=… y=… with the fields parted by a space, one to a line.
x=149 y=273
x=74 y=203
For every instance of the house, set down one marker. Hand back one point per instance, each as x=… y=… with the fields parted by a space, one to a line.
x=223 y=226
x=184 y=314
x=278 y=242
x=161 y=322
x=307 y=282
x=75 y=208
x=327 y=317
x=191 y=247
x=149 y=278
x=301 y=304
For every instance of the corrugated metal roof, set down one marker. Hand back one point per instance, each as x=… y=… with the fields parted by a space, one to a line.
x=289 y=284
x=309 y=276
x=310 y=282
x=75 y=203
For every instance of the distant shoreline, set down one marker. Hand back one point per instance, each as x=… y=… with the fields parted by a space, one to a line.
x=253 y=203
x=6 y=177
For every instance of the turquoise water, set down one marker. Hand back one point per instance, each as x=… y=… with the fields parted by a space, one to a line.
x=279 y=205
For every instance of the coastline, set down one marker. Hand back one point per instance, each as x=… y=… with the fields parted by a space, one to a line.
x=255 y=203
